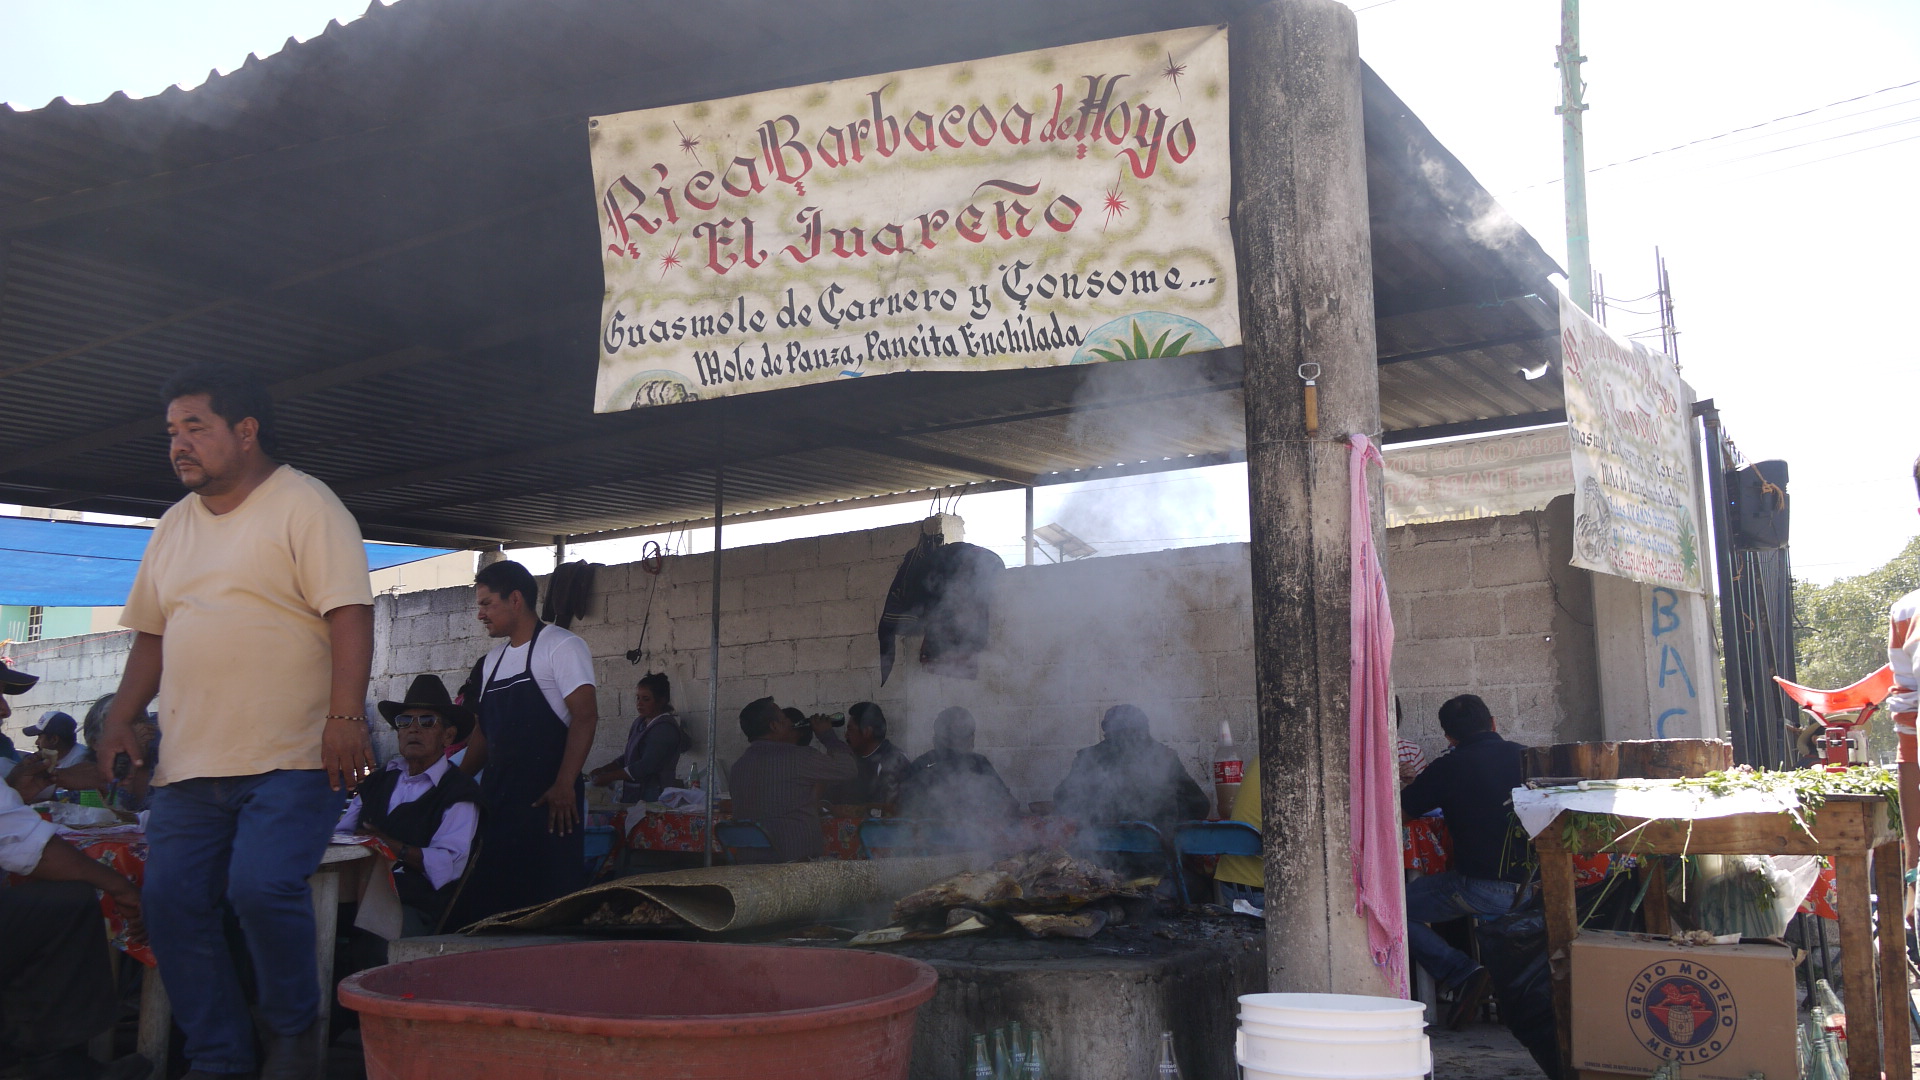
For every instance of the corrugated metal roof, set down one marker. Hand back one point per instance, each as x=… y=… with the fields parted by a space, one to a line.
x=393 y=222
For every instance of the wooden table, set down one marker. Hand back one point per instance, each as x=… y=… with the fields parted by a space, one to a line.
x=1851 y=831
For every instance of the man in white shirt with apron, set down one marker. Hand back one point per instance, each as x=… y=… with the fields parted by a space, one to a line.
x=537 y=714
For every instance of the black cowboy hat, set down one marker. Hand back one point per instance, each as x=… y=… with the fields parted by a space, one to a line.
x=428 y=692
x=13 y=681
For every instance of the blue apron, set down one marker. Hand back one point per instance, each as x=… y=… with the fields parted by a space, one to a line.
x=520 y=862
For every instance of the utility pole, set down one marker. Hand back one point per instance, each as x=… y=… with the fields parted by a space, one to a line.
x=1669 y=330
x=1573 y=137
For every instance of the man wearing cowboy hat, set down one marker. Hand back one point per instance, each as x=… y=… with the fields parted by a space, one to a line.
x=423 y=809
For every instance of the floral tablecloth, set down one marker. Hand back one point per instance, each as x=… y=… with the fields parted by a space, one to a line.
x=1427 y=847
x=1823 y=897
x=127 y=856
x=682 y=830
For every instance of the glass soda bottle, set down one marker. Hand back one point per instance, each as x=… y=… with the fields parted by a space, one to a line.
x=1169 y=1069
x=1036 y=1064
x=982 y=1065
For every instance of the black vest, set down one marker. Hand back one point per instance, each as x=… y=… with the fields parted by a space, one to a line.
x=415 y=823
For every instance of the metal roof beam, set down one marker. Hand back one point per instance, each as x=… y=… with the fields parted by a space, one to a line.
x=900 y=448
x=399 y=139
x=221 y=303
x=321 y=378
x=1470 y=346
x=156 y=424
x=435 y=537
x=1475 y=427
x=885 y=443
x=1072 y=476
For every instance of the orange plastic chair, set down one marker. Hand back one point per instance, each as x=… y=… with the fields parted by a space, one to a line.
x=1864 y=697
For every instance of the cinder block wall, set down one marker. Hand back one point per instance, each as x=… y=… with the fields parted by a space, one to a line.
x=1170 y=631
x=73 y=673
x=1491 y=607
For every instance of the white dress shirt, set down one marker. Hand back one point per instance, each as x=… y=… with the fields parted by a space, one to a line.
x=23 y=834
x=445 y=859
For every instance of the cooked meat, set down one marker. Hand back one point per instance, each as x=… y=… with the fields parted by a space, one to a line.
x=1042 y=880
x=1081 y=924
x=970 y=889
x=1050 y=877
x=640 y=912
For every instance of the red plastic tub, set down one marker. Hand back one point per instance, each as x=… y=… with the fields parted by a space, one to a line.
x=663 y=1010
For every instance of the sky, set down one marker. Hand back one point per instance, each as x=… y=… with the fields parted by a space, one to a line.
x=1787 y=240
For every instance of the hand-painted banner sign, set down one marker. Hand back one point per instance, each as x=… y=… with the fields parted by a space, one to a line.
x=1477 y=478
x=1055 y=207
x=1629 y=425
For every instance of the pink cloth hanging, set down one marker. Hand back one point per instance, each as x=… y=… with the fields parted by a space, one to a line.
x=1378 y=882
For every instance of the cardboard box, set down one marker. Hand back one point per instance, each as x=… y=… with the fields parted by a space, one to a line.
x=1722 y=1011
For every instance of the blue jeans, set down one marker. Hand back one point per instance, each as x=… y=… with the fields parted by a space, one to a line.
x=1442 y=897
x=1231 y=891
x=251 y=841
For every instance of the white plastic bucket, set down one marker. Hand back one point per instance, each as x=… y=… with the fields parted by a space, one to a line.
x=1368 y=1055
x=1338 y=1012
x=1323 y=1034
x=1255 y=1072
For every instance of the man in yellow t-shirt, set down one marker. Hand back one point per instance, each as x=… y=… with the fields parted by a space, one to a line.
x=253 y=622
x=1243 y=877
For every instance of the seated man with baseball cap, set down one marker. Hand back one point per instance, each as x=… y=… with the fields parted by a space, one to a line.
x=57 y=735
x=56 y=980
x=423 y=808
x=63 y=761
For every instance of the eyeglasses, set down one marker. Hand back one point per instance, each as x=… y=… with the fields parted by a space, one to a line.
x=401 y=723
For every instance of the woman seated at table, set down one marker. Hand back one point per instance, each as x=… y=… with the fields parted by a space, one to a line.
x=651 y=761
x=121 y=784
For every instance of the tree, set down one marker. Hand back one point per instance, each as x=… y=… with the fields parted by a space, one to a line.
x=1842 y=627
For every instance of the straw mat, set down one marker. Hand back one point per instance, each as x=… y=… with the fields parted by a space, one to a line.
x=724 y=898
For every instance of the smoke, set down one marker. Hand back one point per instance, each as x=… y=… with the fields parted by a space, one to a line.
x=1164 y=629
x=1486 y=222
x=1139 y=413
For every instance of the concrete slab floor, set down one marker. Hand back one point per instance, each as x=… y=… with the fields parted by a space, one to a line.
x=1480 y=1052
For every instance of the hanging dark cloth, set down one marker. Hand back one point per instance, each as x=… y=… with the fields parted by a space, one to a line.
x=944 y=591
x=568 y=592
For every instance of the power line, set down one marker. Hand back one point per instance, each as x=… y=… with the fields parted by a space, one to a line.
x=1725 y=134
x=1832 y=119
x=1843 y=153
x=1825 y=138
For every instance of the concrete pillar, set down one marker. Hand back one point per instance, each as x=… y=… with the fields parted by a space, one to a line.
x=1306 y=272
